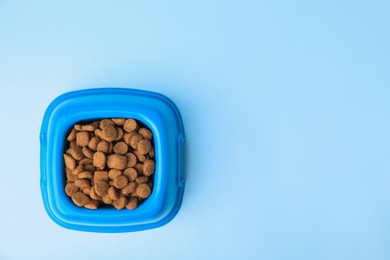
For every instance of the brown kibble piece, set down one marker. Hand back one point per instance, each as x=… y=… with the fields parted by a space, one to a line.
x=72 y=135
x=98 y=132
x=100 y=176
x=145 y=133
x=85 y=161
x=130 y=125
x=80 y=199
x=82 y=183
x=132 y=203
x=78 y=169
x=127 y=137
x=87 y=190
x=131 y=160
x=142 y=179
x=99 y=160
x=93 y=204
x=119 y=134
x=88 y=153
x=82 y=139
x=121 y=148
x=93 y=195
x=103 y=146
x=69 y=175
x=93 y=143
x=71 y=189
x=77 y=127
x=113 y=174
x=110 y=148
x=135 y=140
x=106 y=122
x=143 y=191
x=116 y=161
x=151 y=153
x=120 y=203
x=120 y=182
x=70 y=163
x=101 y=188
x=149 y=167
x=113 y=193
x=119 y=121
x=89 y=128
x=72 y=143
x=106 y=199
x=89 y=167
x=131 y=174
x=144 y=146
x=140 y=157
x=85 y=175
x=139 y=167
x=130 y=188
x=109 y=133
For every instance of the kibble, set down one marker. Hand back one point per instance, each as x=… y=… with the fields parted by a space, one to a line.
x=70 y=163
x=93 y=143
x=144 y=146
x=109 y=133
x=142 y=179
x=99 y=160
x=143 y=191
x=72 y=135
x=100 y=176
x=75 y=152
x=148 y=167
x=116 y=161
x=135 y=140
x=113 y=193
x=88 y=153
x=82 y=183
x=87 y=190
x=119 y=134
x=130 y=188
x=85 y=175
x=120 y=203
x=71 y=189
x=114 y=173
x=103 y=146
x=120 y=182
x=131 y=174
x=145 y=133
x=131 y=160
x=106 y=122
x=106 y=199
x=132 y=203
x=80 y=199
x=93 y=204
x=130 y=125
x=89 y=167
x=109 y=162
x=82 y=139
x=85 y=161
x=119 y=121
x=121 y=148
x=101 y=188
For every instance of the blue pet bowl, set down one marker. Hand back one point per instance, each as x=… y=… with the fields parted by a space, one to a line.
x=158 y=113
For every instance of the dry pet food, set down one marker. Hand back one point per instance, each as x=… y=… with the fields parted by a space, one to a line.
x=109 y=162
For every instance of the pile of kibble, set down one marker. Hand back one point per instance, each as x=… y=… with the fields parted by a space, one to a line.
x=109 y=162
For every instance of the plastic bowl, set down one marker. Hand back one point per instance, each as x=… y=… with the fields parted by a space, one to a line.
x=157 y=112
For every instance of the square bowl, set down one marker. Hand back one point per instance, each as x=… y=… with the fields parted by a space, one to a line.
x=154 y=110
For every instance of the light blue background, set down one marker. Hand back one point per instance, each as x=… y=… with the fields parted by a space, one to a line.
x=286 y=110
